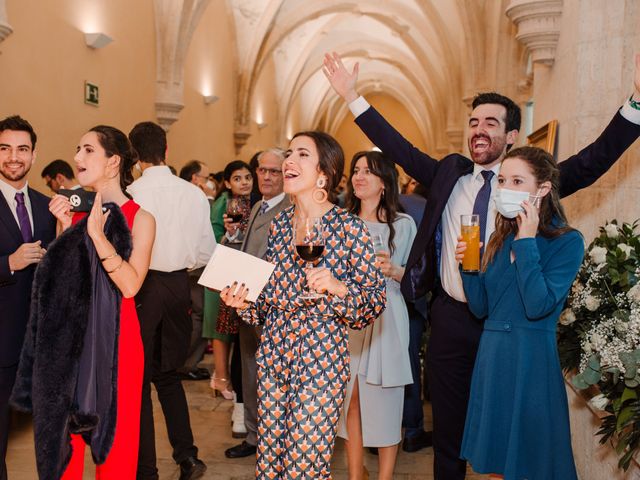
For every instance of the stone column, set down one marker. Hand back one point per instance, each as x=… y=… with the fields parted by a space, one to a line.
x=538 y=23
x=5 y=28
x=176 y=20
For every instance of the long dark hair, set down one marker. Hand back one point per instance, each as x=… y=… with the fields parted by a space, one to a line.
x=553 y=221
x=389 y=205
x=115 y=142
x=330 y=159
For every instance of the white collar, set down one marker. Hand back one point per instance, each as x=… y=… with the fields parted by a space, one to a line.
x=478 y=169
x=10 y=192
x=272 y=202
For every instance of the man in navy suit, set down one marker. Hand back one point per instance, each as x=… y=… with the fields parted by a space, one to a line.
x=26 y=228
x=458 y=185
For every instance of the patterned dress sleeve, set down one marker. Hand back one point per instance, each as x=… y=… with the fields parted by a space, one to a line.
x=366 y=297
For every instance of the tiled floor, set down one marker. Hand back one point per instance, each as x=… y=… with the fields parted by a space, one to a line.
x=210 y=420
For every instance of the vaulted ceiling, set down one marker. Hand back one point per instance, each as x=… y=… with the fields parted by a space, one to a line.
x=427 y=54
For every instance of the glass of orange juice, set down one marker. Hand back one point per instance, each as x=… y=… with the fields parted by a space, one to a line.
x=470 y=232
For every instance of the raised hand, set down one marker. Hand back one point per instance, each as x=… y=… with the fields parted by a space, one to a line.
x=527 y=221
x=97 y=219
x=343 y=82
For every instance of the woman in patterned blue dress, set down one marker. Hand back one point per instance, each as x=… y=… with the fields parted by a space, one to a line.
x=303 y=358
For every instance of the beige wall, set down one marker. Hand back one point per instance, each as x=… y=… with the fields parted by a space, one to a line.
x=591 y=77
x=45 y=63
x=205 y=132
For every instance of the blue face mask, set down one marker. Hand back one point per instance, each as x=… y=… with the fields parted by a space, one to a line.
x=509 y=202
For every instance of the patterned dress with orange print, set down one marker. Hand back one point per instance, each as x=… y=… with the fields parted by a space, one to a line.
x=303 y=357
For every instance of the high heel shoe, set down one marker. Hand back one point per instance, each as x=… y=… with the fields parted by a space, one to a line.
x=221 y=386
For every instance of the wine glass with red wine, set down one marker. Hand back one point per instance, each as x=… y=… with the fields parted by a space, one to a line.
x=308 y=240
x=234 y=209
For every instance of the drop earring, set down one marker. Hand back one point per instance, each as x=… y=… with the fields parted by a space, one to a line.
x=320 y=195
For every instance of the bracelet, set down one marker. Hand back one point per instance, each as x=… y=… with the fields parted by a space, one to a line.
x=113 y=255
x=117 y=268
x=633 y=103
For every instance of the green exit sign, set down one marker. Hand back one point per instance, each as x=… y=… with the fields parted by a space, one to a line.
x=91 y=94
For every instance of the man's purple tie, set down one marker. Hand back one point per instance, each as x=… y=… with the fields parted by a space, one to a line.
x=23 y=218
x=481 y=205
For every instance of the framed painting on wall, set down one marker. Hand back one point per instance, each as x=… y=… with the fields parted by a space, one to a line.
x=544 y=137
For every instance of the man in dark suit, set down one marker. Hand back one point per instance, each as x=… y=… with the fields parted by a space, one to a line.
x=458 y=185
x=26 y=228
x=274 y=200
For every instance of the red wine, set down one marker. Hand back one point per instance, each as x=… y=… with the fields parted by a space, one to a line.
x=309 y=253
x=235 y=217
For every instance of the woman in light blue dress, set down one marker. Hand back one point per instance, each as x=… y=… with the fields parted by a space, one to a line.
x=517 y=421
x=380 y=367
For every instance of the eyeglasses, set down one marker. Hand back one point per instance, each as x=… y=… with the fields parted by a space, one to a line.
x=272 y=171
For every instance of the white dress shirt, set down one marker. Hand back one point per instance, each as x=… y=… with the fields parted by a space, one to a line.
x=273 y=201
x=461 y=202
x=184 y=235
x=10 y=196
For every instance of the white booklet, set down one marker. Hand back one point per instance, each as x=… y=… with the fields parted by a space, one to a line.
x=227 y=265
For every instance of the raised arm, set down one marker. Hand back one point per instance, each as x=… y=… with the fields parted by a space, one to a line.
x=584 y=168
x=419 y=165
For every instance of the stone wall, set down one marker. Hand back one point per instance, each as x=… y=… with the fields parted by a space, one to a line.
x=590 y=78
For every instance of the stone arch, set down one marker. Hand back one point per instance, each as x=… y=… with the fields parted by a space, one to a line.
x=399 y=19
x=176 y=21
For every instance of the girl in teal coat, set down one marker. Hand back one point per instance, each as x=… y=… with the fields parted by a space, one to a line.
x=517 y=421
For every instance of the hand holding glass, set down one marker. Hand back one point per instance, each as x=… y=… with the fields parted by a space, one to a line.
x=379 y=245
x=470 y=233
x=308 y=240
x=234 y=210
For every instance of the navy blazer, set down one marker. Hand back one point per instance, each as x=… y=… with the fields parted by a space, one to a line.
x=15 y=290
x=576 y=172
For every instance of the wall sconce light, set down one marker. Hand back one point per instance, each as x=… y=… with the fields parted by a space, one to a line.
x=210 y=99
x=261 y=125
x=97 y=40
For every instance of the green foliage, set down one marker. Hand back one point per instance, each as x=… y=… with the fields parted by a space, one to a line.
x=600 y=303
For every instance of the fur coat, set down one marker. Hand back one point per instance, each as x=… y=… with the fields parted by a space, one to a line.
x=68 y=306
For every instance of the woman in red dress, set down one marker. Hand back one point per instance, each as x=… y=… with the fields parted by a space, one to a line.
x=104 y=160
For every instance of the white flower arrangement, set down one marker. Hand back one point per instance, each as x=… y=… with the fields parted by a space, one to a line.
x=599 y=333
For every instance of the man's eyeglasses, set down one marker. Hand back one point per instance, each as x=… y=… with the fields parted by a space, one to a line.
x=273 y=171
